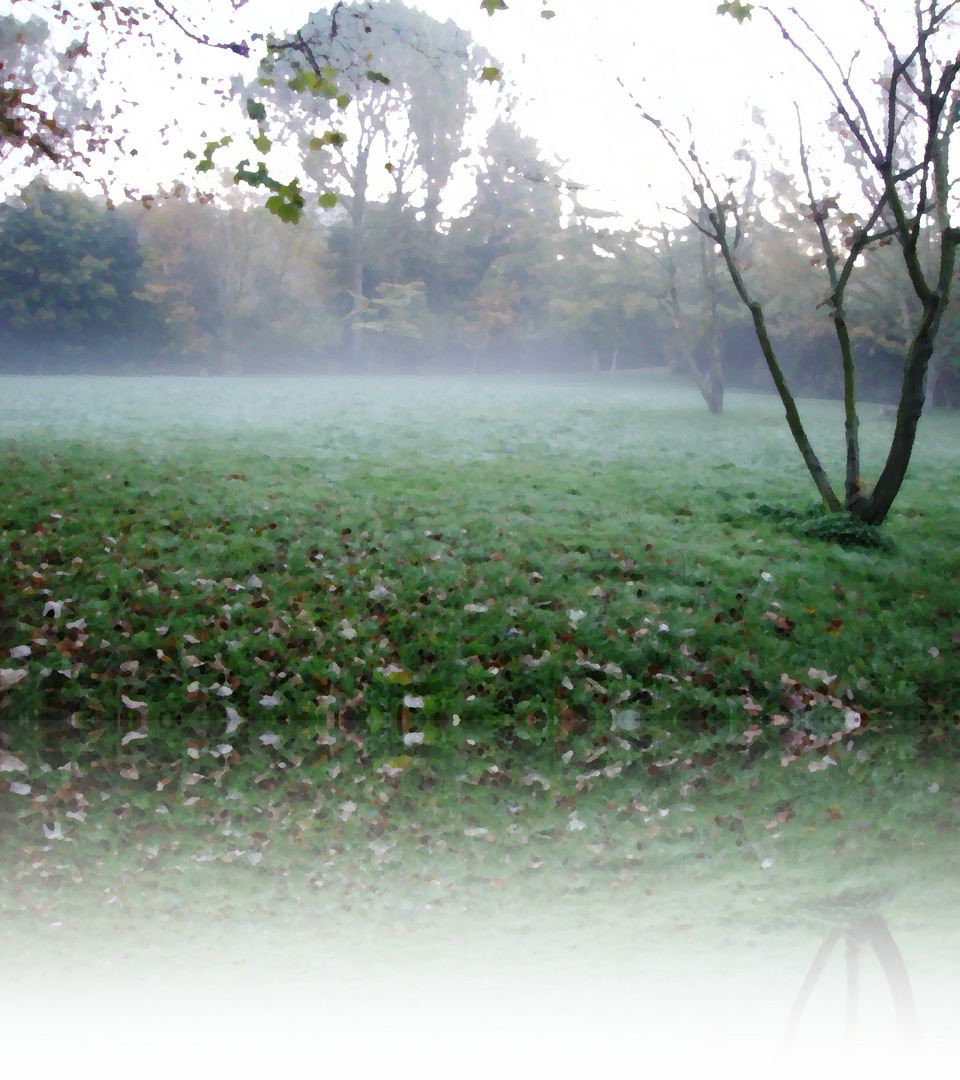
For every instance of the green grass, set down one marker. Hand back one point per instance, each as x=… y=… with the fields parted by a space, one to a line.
x=529 y=561
x=385 y=648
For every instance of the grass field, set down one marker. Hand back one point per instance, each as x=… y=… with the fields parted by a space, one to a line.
x=470 y=672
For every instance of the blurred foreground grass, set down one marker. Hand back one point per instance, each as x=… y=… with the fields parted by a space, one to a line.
x=446 y=672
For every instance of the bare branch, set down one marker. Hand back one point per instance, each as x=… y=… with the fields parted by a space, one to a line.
x=819 y=217
x=891 y=48
x=241 y=48
x=865 y=136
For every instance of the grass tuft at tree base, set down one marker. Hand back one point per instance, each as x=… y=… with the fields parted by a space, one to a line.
x=820 y=524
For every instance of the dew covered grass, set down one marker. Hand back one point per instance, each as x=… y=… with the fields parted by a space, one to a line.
x=500 y=681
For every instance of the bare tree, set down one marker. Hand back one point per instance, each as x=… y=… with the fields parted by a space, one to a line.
x=906 y=141
x=690 y=333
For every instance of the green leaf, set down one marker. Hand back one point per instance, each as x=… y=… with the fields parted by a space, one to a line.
x=378 y=77
x=256 y=110
x=328 y=200
x=548 y=14
x=330 y=138
x=208 y=151
x=490 y=74
x=493 y=5
x=309 y=80
x=343 y=100
x=262 y=143
x=736 y=9
x=284 y=210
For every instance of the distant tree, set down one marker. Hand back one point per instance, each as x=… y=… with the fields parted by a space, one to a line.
x=500 y=254
x=602 y=294
x=394 y=317
x=69 y=275
x=688 y=294
x=237 y=288
x=392 y=98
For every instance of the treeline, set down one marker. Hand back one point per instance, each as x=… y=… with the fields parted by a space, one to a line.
x=526 y=279
x=381 y=275
x=519 y=281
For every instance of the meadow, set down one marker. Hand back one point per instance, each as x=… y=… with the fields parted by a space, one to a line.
x=421 y=657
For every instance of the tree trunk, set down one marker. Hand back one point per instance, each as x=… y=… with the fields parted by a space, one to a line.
x=874 y=509
x=797 y=430
x=933 y=377
x=358 y=210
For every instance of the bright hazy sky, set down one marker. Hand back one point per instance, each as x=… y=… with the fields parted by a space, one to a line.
x=565 y=71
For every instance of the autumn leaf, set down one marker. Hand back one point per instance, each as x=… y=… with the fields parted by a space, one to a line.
x=11 y=763
x=395 y=674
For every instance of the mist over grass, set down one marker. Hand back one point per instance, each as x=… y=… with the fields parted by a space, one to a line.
x=418 y=656
x=643 y=417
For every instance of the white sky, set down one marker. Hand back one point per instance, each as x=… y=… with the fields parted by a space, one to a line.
x=565 y=70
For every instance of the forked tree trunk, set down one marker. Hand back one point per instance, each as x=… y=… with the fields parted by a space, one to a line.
x=920 y=92
x=872 y=509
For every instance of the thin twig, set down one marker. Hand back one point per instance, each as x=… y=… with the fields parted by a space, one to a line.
x=241 y=48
